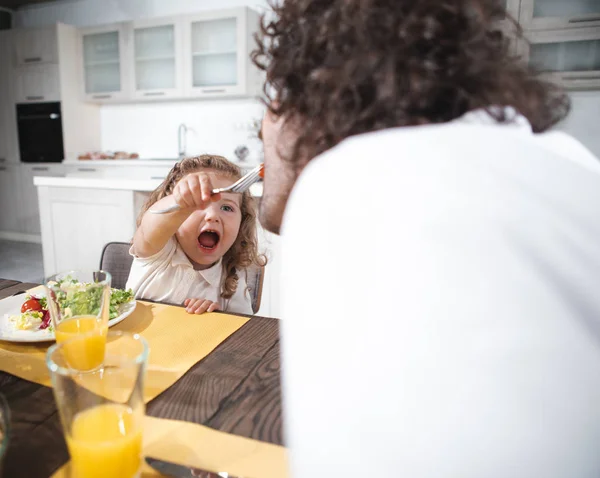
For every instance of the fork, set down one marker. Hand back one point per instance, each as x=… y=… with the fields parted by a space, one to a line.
x=241 y=185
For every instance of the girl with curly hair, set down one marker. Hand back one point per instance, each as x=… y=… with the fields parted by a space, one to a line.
x=198 y=255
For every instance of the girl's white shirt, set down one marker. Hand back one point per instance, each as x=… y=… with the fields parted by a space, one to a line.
x=169 y=276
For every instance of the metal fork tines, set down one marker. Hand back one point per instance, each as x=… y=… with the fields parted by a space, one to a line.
x=241 y=185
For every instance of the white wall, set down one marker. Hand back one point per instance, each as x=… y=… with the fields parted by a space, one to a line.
x=151 y=129
x=584 y=120
x=217 y=126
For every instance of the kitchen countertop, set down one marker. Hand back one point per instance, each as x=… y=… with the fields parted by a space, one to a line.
x=121 y=162
x=139 y=162
x=98 y=183
x=144 y=185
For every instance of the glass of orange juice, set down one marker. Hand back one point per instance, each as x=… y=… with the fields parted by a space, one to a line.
x=102 y=410
x=79 y=306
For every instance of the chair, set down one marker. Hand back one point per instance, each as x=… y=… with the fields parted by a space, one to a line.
x=116 y=260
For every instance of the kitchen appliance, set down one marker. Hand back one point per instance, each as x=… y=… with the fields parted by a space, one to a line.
x=40 y=132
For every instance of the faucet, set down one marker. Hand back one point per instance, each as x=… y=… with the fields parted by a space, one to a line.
x=181 y=140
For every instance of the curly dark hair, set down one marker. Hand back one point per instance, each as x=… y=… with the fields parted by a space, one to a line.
x=345 y=67
x=244 y=252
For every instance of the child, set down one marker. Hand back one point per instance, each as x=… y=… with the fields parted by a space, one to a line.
x=197 y=256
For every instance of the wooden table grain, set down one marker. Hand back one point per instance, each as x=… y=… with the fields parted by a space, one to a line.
x=235 y=389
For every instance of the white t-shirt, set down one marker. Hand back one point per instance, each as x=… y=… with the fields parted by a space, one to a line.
x=441 y=306
x=168 y=276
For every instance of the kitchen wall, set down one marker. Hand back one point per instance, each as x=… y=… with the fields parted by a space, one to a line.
x=218 y=126
x=150 y=129
x=584 y=120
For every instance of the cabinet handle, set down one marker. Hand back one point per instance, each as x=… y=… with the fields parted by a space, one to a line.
x=34 y=98
x=161 y=178
x=214 y=90
x=583 y=78
x=154 y=93
x=101 y=97
x=38 y=168
x=86 y=170
x=32 y=60
x=584 y=20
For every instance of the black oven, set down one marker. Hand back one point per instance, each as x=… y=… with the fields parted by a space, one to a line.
x=40 y=132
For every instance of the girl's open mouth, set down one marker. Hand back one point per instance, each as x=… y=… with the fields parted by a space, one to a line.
x=208 y=239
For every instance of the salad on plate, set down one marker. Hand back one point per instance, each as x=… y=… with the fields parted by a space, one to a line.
x=74 y=298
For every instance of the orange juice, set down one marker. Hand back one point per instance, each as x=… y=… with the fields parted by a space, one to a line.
x=86 y=350
x=105 y=441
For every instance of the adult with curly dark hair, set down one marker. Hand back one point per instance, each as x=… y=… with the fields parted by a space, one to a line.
x=441 y=247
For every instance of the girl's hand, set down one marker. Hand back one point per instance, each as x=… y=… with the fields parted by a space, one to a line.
x=194 y=191
x=199 y=306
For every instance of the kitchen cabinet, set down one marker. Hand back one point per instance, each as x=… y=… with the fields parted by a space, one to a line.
x=104 y=62
x=10 y=213
x=157 y=58
x=217 y=47
x=37 y=83
x=269 y=244
x=571 y=56
x=548 y=14
x=77 y=223
x=9 y=152
x=108 y=170
x=35 y=46
x=30 y=212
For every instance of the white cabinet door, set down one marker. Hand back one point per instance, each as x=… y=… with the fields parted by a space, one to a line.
x=156 y=56
x=77 y=223
x=37 y=83
x=571 y=56
x=543 y=14
x=36 y=45
x=29 y=199
x=9 y=198
x=217 y=49
x=269 y=244
x=105 y=69
x=8 y=122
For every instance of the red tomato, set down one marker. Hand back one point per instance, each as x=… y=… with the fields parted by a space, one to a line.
x=31 y=304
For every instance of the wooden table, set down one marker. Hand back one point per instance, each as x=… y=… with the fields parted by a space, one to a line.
x=235 y=389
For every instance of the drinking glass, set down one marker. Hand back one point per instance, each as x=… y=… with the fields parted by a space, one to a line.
x=79 y=306
x=102 y=410
x=4 y=429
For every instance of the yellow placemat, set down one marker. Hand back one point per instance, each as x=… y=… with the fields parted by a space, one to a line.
x=202 y=447
x=177 y=341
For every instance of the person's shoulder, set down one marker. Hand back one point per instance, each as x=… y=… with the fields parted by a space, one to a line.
x=570 y=148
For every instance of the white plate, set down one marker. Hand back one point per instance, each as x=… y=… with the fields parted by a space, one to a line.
x=12 y=306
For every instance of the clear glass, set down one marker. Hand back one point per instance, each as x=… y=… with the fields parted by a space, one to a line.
x=101 y=48
x=102 y=63
x=566 y=56
x=214 y=36
x=155 y=42
x=103 y=78
x=155 y=74
x=564 y=9
x=155 y=57
x=102 y=411
x=214 y=70
x=4 y=429
x=79 y=306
